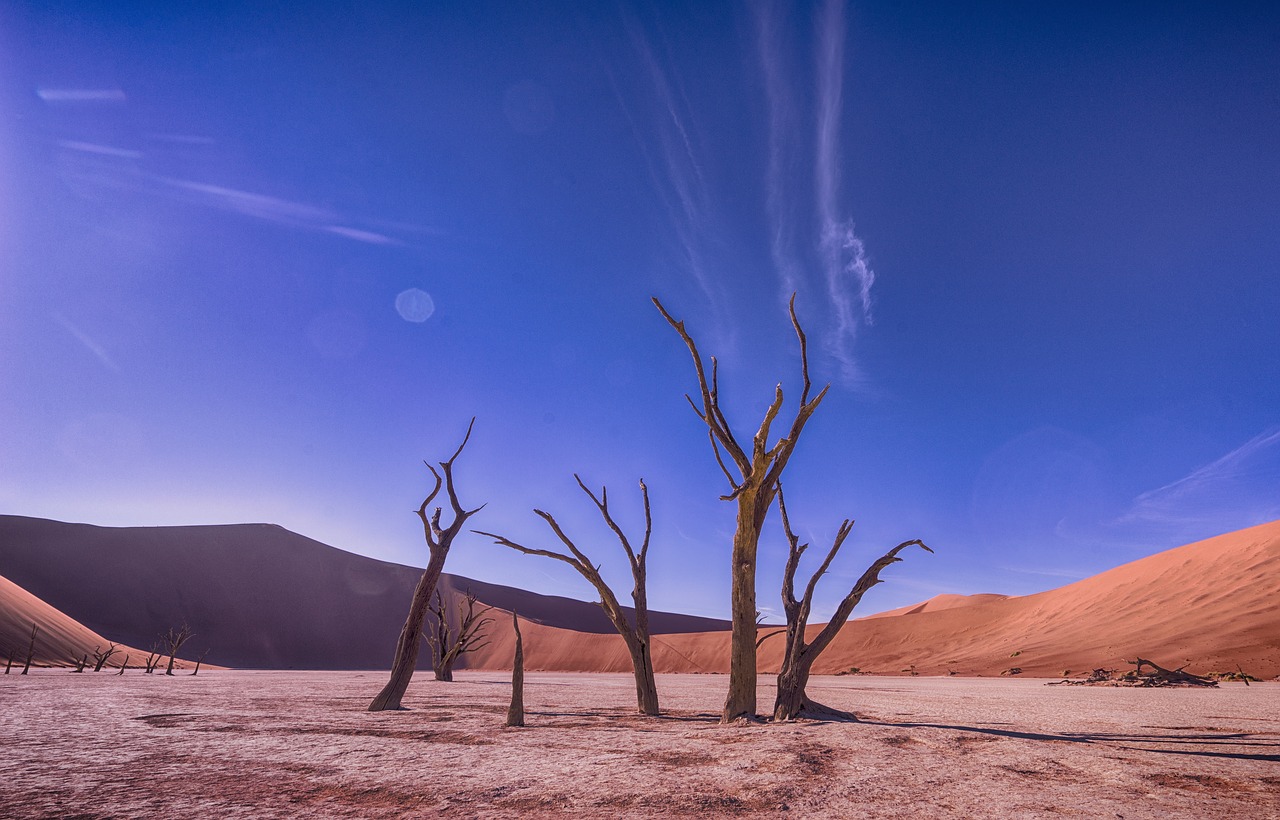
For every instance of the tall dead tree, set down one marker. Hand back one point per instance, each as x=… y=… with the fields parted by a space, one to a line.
x=173 y=641
x=634 y=634
x=124 y=665
x=754 y=486
x=446 y=645
x=515 y=712
x=797 y=660
x=439 y=540
x=31 y=649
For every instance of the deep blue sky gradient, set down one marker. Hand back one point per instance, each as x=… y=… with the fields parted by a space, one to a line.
x=1072 y=215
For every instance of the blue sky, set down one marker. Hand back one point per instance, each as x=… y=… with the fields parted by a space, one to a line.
x=255 y=265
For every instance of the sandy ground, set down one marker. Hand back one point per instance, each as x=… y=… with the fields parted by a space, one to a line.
x=255 y=744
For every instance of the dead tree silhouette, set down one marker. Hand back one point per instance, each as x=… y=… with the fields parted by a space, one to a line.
x=634 y=634
x=759 y=469
x=446 y=645
x=439 y=540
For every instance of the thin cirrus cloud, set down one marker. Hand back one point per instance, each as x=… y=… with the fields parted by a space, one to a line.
x=81 y=95
x=1233 y=491
x=676 y=172
x=271 y=209
x=89 y=343
x=840 y=253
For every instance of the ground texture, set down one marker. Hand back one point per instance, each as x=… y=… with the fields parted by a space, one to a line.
x=255 y=744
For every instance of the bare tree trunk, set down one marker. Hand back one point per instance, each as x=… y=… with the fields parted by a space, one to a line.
x=515 y=712
x=439 y=540
x=173 y=641
x=31 y=649
x=759 y=472
x=81 y=663
x=199 y=661
x=741 y=700
x=635 y=635
x=8 y=662
x=646 y=685
x=406 y=657
x=124 y=665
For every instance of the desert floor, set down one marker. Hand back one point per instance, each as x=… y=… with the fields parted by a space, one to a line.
x=253 y=744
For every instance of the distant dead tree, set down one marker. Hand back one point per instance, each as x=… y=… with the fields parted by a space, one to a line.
x=100 y=658
x=797 y=660
x=124 y=665
x=80 y=663
x=439 y=540
x=446 y=645
x=635 y=635
x=172 y=642
x=758 y=471
x=31 y=649
x=8 y=661
x=199 y=661
x=153 y=659
x=515 y=712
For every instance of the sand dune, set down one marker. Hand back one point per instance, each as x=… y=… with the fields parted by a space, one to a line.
x=1212 y=604
x=938 y=603
x=60 y=638
x=256 y=595
x=264 y=597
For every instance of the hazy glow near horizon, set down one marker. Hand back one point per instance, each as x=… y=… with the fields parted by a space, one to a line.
x=258 y=265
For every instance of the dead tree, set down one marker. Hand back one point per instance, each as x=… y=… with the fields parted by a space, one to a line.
x=31 y=649
x=153 y=659
x=634 y=635
x=124 y=665
x=797 y=660
x=100 y=658
x=199 y=661
x=439 y=540
x=8 y=662
x=172 y=642
x=758 y=469
x=1159 y=676
x=515 y=712
x=80 y=662
x=446 y=646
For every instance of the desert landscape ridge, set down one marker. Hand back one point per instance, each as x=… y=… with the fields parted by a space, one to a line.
x=1210 y=605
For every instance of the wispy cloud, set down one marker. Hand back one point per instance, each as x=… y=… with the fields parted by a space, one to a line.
x=101 y=150
x=779 y=201
x=81 y=95
x=1236 y=490
x=271 y=209
x=85 y=339
x=849 y=277
x=841 y=259
x=674 y=167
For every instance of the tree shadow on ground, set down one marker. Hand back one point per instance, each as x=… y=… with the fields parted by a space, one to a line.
x=1223 y=739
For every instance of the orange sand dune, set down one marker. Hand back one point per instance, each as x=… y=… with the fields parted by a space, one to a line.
x=1212 y=604
x=937 y=603
x=60 y=640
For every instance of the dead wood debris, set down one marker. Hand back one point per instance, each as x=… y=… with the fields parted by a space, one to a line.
x=1158 y=676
